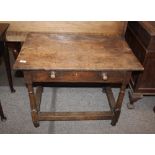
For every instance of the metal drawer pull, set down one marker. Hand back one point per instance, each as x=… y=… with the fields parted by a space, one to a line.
x=104 y=76
x=52 y=75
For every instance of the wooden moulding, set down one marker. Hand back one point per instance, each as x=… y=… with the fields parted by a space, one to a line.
x=69 y=116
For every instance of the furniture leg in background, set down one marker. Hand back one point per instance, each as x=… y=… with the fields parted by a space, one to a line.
x=7 y=66
x=3 y=118
x=5 y=53
x=14 y=48
x=133 y=97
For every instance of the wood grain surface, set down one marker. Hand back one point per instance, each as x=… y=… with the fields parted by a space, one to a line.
x=18 y=30
x=44 y=51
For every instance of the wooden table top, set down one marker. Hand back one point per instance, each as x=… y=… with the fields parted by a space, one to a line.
x=44 y=51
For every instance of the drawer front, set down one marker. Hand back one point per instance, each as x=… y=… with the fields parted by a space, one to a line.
x=78 y=76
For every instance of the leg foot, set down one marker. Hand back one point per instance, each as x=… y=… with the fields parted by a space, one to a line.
x=133 y=97
x=3 y=118
x=130 y=106
x=32 y=98
x=103 y=90
x=113 y=123
x=116 y=117
x=36 y=124
x=13 y=90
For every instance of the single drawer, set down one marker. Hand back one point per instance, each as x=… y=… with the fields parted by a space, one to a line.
x=78 y=76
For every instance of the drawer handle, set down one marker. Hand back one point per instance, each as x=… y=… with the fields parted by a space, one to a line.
x=52 y=75
x=104 y=76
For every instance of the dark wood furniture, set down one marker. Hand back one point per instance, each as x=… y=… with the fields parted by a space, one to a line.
x=74 y=58
x=141 y=39
x=3 y=118
x=5 y=53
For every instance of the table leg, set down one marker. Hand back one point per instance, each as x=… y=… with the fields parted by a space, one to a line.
x=118 y=105
x=32 y=98
x=33 y=105
x=7 y=65
x=117 y=109
x=38 y=96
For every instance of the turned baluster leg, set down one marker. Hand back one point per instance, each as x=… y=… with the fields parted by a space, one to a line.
x=34 y=111
x=32 y=98
x=118 y=105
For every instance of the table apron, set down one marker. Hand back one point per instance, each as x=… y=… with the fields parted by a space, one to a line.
x=77 y=76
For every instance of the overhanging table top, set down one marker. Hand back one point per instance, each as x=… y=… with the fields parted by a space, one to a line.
x=45 y=51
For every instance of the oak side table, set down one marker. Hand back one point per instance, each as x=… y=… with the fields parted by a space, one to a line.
x=75 y=58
